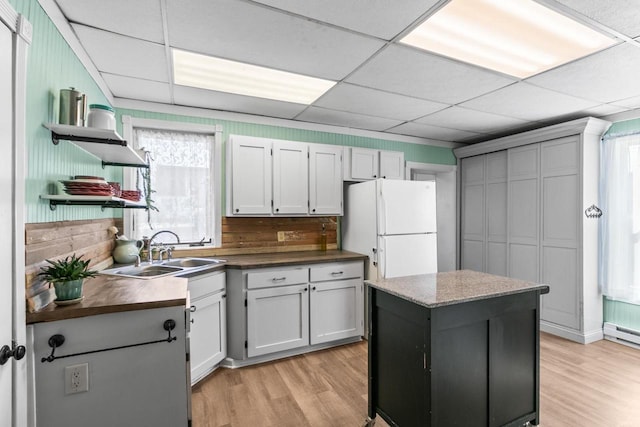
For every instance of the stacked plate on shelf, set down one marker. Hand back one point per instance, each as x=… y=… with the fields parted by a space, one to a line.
x=133 y=195
x=83 y=185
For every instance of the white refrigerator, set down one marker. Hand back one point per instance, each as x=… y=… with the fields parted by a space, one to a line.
x=393 y=222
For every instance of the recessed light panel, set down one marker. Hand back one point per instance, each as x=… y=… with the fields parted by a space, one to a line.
x=516 y=37
x=208 y=72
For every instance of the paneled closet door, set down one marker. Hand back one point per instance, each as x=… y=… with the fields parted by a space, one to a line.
x=523 y=212
x=473 y=213
x=496 y=210
x=560 y=160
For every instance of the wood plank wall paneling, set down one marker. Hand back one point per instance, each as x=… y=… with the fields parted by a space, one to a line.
x=90 y=238
x=53 y=240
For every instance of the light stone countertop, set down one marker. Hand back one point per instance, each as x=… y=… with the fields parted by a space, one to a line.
x=454 y=287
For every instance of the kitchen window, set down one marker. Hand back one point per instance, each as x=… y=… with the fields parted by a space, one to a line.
x=620 y=224
x=185 y=179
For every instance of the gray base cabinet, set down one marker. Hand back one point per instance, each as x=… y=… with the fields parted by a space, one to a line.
x=276 y=312
x=208 y=333
x=523 y=201
x=145 y=385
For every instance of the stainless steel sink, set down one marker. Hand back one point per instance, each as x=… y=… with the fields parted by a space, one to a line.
x=145 y=271
x=192 y=262
x=167 y=268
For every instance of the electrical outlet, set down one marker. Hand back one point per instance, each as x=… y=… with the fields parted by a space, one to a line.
x=281 y=236
x=76 y=378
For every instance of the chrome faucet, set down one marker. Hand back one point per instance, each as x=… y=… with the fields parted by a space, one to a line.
x=150 y=245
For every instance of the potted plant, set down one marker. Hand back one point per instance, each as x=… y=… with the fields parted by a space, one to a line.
x=67 y=276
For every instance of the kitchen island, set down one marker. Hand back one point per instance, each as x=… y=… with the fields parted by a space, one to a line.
x=456 y=348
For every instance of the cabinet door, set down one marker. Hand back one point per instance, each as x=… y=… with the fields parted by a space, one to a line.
x=208 y=336
x=290 y=178
x=524 y=212
x=364 y=163
x=496 y=212
x=251 y=175
x=392 y=164
x=277 y=319
x=560 y=229
x=325 y=179
x=473 y=213
x=337 y=310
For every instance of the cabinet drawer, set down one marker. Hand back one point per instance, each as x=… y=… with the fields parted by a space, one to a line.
x=337 y=271
x=270 y=278
x=206 y=284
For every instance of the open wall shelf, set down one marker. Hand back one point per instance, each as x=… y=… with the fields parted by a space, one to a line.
x=104 y=144
x=103 y=201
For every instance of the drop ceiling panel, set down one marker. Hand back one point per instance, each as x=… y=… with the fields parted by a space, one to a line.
x=620 y=15
x=340 y=118
x=132 y=88
x=194 y=97
x=433 y=132
x=471 y=120
x=411 y=72
x=606 y=76
x=116 y=54
x=607 y=109
x=528 y=102
x=140 y=19
x=258 y=35
x=357 y=99
x=379 y=18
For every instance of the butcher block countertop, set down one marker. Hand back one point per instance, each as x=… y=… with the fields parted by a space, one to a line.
x=454 y=287
x=111 y=294
x=289 y=258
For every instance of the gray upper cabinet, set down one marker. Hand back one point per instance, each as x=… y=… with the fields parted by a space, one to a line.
x=362 y=164
x=272 y=177
x=529 y=223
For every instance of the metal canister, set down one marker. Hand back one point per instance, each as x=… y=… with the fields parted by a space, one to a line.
x=73 y=106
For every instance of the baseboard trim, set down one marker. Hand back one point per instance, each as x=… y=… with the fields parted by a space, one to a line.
x=571 y=334
x=236 y=363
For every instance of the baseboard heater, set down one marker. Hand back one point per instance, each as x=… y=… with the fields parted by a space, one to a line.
x=621 y=335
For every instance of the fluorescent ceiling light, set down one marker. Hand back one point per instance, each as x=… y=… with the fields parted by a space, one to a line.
x=516 y=37
x=208 y=72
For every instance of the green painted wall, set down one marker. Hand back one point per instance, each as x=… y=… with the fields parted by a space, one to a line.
x=621 y=313
x=52 y=66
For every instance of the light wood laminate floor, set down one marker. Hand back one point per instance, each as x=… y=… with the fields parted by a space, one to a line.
x=581 y=385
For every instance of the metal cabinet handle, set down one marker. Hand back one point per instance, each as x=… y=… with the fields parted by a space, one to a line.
x=237 y=210
x=193 y=308
x=375 y=176
x=193 y=320
x=278 y=279
x=337 y=273
x=305 y=289
x=313 y=289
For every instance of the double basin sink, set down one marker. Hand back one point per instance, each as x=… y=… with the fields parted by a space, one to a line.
x=166 y=268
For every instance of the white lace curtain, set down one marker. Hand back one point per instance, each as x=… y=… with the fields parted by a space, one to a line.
x=181 y=177
x=620 y=224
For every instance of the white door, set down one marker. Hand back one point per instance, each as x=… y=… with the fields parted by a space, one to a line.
x=406 y=207
x=251 y=175
x=6 y=225
x=277 y=319
x=325 y=179
x=336 y=310
x=392 y=164
x=407 y=255
x=290 y=178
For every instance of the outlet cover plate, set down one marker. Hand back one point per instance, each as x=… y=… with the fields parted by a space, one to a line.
x=76 y=378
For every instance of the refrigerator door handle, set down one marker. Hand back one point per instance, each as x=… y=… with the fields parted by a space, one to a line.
x=375 y=256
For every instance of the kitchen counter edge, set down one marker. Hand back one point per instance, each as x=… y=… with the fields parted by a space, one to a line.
x=454 y=287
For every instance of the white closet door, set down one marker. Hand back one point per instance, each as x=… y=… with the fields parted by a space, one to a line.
x=6 y=225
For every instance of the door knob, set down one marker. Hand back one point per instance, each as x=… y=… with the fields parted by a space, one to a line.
x=6 y=352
